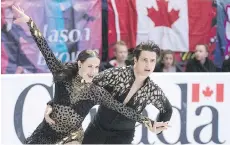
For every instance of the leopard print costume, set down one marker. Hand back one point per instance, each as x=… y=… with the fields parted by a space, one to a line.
x=110 y=127
x=118 y=82
x=72 y=101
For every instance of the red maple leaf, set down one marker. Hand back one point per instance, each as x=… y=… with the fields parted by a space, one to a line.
x=162 y=17
x=207 y=92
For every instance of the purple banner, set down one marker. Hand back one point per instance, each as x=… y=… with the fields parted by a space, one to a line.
x=69 y=27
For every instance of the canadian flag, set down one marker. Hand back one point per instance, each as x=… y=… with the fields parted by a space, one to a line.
x=208 y=91
x=173 y=24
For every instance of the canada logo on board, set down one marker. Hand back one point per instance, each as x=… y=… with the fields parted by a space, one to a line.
x=210 y=92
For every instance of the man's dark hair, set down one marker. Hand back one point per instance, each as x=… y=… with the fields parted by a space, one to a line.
x=146 y=46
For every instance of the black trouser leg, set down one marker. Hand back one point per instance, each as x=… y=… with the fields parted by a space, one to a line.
x=94 y=135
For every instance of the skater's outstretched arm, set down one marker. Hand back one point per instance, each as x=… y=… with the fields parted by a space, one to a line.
x=52 y=62
x=100 y=96
x=103 y=97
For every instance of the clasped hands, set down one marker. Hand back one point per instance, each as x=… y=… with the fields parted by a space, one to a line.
x=156 y=127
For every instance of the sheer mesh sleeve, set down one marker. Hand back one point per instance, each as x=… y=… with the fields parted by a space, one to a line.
x=52 y=62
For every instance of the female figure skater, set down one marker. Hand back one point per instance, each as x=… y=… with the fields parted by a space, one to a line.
x=74 y=97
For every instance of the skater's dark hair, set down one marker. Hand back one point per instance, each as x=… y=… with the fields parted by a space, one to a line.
x=146 y=46
x=70 y=70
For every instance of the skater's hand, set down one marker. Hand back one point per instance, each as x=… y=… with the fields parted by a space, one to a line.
x=160 y=126
x=160 y=129
x=157 y=127
x=48 y=111
x=21 y=16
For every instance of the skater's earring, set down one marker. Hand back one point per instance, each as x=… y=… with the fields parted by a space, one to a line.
x=135 y=60
x=79 y=64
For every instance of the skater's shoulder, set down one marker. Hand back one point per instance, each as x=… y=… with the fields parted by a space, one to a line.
x=153 y=85
x=115 y=70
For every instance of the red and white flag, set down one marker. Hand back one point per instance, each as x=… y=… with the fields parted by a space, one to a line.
x=208 y=91
x=177 y=25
